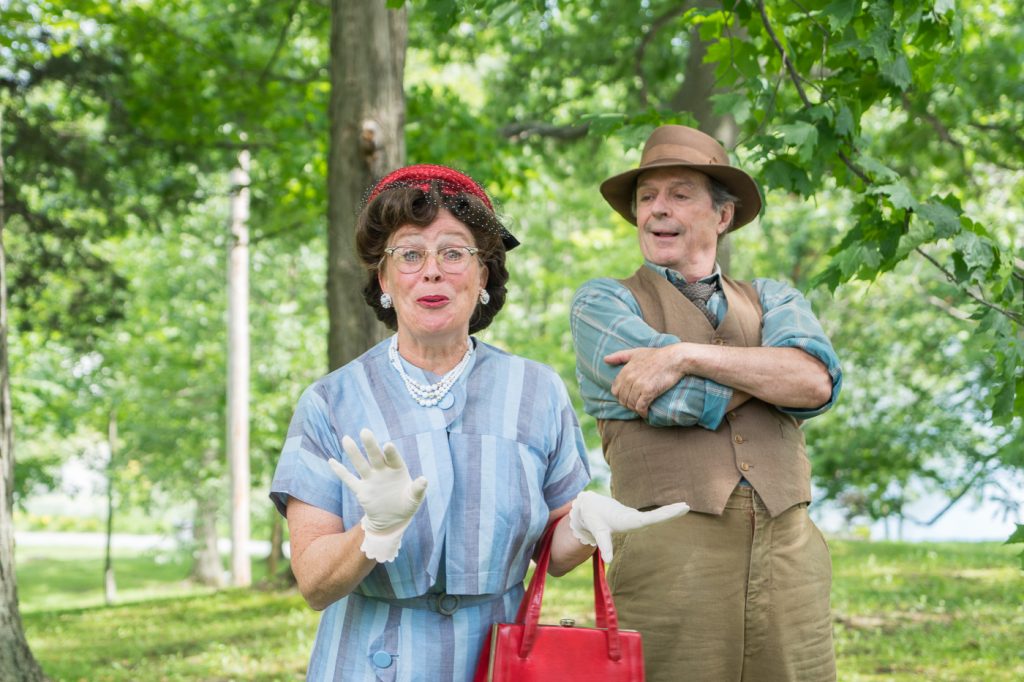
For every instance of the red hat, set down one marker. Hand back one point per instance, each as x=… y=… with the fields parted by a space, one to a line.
x=422 y=174
x=450 y=182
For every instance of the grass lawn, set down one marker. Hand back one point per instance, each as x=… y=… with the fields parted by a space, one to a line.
x=930 y=611
x=902 y=612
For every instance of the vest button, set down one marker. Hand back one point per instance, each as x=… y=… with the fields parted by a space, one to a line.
x=738 y=438
x=381 y=659
x=745 y=466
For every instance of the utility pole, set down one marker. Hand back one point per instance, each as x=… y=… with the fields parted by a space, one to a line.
x=238 y=372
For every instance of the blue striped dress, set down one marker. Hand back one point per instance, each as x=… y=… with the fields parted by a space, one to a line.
x=501 y=452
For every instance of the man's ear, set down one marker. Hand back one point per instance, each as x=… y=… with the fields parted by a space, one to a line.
x=725 y=216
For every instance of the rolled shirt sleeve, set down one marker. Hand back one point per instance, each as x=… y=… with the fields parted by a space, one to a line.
x=789 y=322
x=605 y=318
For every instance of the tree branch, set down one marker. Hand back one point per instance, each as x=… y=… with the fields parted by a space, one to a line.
x=518 y=132
x=786 y=62
x=947 y=308
x=280 y=43
x=273 y=234
x=932 y=120
x=645 y=40
x=1012 y=133
x=967 y=487
x=1016 y=317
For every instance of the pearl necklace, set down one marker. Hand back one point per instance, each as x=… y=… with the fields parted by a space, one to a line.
x=429 y=395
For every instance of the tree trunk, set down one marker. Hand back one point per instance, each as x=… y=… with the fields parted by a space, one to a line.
x=16 y=661
x=109 y=582
x=694 y=96
x=367 y=119
x=238 y=372
x=208 y=569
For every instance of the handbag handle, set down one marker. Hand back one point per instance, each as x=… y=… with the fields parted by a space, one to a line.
x=604 y=607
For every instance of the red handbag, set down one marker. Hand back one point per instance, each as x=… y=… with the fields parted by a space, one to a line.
x=525 y=651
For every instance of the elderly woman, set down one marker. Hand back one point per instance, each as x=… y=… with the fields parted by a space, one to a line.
x=412 y=550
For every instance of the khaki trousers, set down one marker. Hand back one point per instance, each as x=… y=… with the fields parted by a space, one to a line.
x=739 y=597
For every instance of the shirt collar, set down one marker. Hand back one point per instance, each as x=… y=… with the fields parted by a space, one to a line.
x=673 y=276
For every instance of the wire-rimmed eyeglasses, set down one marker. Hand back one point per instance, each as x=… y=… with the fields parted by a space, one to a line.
x=451 y=259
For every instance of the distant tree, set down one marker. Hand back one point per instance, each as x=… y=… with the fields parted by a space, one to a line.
x=16 y=658
x=115 y=140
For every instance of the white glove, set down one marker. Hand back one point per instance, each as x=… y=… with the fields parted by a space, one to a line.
x=386 y=492
x=594 y=518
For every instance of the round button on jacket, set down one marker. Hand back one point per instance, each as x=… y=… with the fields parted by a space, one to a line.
x=381 y=659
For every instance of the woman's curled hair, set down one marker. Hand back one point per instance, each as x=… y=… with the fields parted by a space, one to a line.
x=399 y=206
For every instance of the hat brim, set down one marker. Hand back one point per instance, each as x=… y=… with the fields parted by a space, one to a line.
x=618 y=190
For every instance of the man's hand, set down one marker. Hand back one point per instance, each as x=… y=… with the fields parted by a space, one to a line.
x=386 y=492
x=645 y=375
x=595 y=517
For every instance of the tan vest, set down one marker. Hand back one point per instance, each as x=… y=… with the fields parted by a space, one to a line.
x=660 y=465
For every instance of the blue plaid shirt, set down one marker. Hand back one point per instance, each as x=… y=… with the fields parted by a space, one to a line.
x=606 y=318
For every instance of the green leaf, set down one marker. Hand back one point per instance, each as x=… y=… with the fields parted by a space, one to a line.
x=877 y=169
x=444 y=13
x=604 y=123
x=943 y=214
x=899 y=195
x=783 y=174
x=877 y=46
x=830 y=277
x=1018 y=402
x=840 y=13
x=803 y=136
x=1017 y=537
x=1002 y=403
x=898 y=71
x=977 y=253
x=844 y=121
x=849 y=261
x=735 y=104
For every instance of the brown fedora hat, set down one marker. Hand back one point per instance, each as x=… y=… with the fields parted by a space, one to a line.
x=674 y=145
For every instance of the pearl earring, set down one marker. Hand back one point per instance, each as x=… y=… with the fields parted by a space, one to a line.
x=385 y=300
x=485 y=297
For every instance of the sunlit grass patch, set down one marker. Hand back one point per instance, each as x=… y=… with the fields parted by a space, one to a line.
x=230 y=634
x=936 y=612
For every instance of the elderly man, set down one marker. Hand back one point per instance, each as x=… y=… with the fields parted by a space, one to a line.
x=699 y=384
